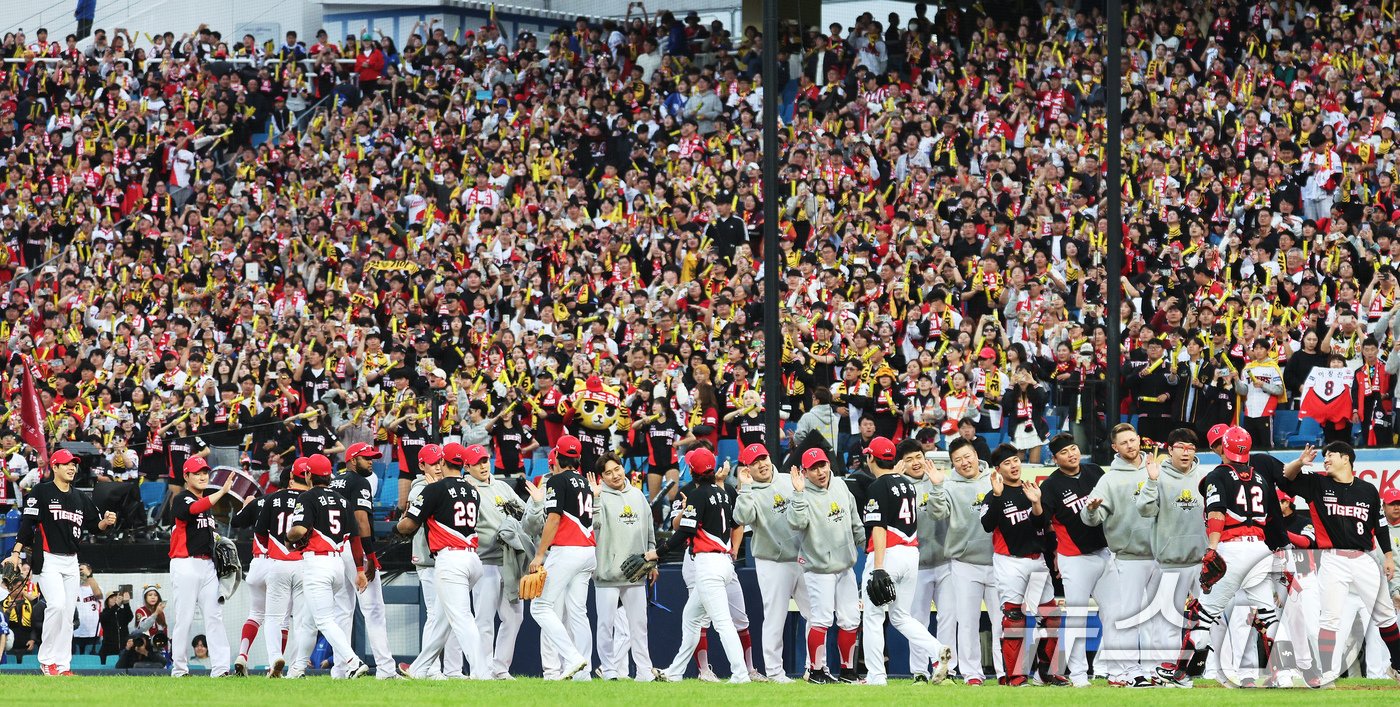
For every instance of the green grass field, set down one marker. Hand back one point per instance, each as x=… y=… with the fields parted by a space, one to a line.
x=323 y=692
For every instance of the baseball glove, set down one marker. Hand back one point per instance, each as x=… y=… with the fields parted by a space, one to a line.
x=1212 y=569
x=513 y=509
x=532 y=585
x=12 y=575
x=636 y=567
x=227 y=563
x=879 y=589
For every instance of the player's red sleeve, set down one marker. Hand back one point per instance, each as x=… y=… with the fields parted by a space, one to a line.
x=357 y=551
x=1300 y=540
x=201 y=506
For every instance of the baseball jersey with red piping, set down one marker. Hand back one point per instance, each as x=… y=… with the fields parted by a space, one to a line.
x=193 y=534
x=1016 y=530
x=1344 y=516
x=1062 y=497
x=274 y=519
x=57 y=517
x=327 y=517
x=1242 y=497
x=892 y=503
x=708 y=519
x=568 y=495
x=448 y=509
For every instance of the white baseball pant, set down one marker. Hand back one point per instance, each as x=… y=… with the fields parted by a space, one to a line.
x=934 y=586
x=322 y=586
x=1085 y=577
x=1128 y=614
x=371 y=603
x=620 y=630
x=59 y=584
x=451 y=665
x=282 y=580
x=778 y=583
x=1299 y=616
x=489 y=600
x=738 y=611
x=195 y=584
x=454 y=572
x=1344 y=574
x=568 y=570
x=973 y=587
x=256 y=581
x=834 y=600
x=1176 y=586
x=902 y=565
x=709 y=602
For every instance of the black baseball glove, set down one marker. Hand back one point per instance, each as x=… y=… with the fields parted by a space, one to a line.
x=513 y=509
x=879 y=589
x=636 y=567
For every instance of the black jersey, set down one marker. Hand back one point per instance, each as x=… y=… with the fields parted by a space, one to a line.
x=1016 y=529
x=1062 y=497
x=314 y=440
x=326 y=516
x=661 y=443
x=707 y=522
x=356 y=491
x=53 y=521
x=409 y=442
x=193 y=534
x=1344 y=516
x=568 y=495
x=1247 y=498
x=750 y=430
x=508 y=440
x=592 y=445
x=274 y=520
x=892 y=503
x=179 y=449
x=448 y=509
x=247 y=517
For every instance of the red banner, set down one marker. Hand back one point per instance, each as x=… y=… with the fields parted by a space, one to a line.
x=32 y=415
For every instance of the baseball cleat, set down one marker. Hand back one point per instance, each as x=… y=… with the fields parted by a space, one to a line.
x=1013 y=681
x=279 y=666
x=781 y=680
x=360 y=670
x=240 y=667
x=973 y=682
x=1053 y=680
x=45 y=669
x=573 y=670
x=819 y=677
x=940 y=667
x=707 y=674
x=659 y=676
x=740 y=679
x=1393 y=674
x=920 y=679
x=756 y=676
x=848 y=676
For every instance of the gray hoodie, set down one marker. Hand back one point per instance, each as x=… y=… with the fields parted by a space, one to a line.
x=960 y=501
x=932 y=531
x=421 y=556
x=821 y=419
x=621 y=527
x=1174 y=501
x=495 y=494
x=830 y=527
x=764 y=507
x=1129 y=537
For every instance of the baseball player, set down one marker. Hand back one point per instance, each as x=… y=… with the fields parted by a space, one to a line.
x=282 y=576
x=500 y=508
x=825 y=514
x=426 y=564
x=706 y=528
x=958 y=499
x=59 y=515
x=935 y=570
x=192 y=571
x=1391 y=499
x=1240 y=504
x=448 y=509
x=1171 y=502
x=354 y=484
x=322 y=527
x=892 y=544
x=763 y=505
x=1133 y=574
x=622 y=525
x=1014 y=516
x=256 y=581
x=566 y=553
x=1347 y=522
x=1081 y=551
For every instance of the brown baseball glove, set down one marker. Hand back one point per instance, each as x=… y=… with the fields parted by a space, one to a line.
x=532 y=585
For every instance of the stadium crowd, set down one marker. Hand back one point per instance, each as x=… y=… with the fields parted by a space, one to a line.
x=258 y=250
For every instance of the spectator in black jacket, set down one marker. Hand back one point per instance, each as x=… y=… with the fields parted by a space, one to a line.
x=140 y=653
x=115 y=621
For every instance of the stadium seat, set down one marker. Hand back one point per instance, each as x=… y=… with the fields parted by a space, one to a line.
x=1309 y=432
x=152 y=493
x=1285 y=426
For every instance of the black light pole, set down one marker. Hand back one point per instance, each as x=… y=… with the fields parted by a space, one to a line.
x=1113 y=91
x=772 y=269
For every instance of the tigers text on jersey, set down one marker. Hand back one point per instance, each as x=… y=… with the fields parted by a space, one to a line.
x=58 y=518
x=1243 y=497
x=1016 y=529
x=708 y=519
x=568 y=495
x=448 y=509
x=1063 y=496
x=892 y=503
x=1344 y=516
x=193 y=534
x=274 y=520
x=328 y=518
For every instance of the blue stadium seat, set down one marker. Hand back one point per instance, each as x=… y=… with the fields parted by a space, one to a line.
x=1285 y=426
x=1309 y=432
x=152 y=493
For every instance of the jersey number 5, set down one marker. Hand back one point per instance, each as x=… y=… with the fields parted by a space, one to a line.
x=333 y=520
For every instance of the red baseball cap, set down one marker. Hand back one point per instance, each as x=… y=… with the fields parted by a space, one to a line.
x=301 y=467
x=474 y=454
x=454 y=453
x=569 y=446
x=813 y=457
x=752 y=453
x=320 y=465
x=1390 y=496
x=193 y=465
x=1215 y=434
x=1284 y=498
x=362 y=450
x=987 y=352
x=881 y=448
x=430 y=454
x=700 y=460
x=62 y=456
